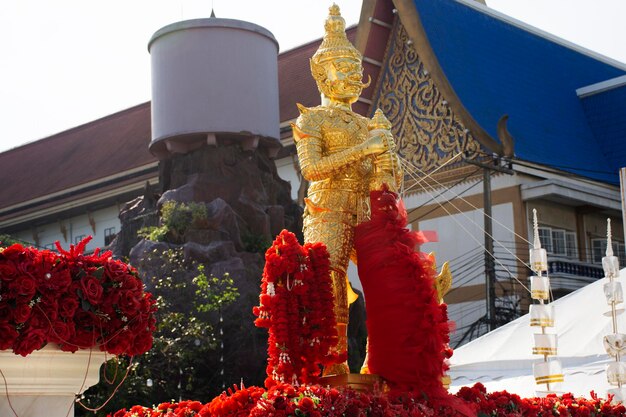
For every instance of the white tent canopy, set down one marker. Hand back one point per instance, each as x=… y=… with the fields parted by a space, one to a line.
x=503 y=359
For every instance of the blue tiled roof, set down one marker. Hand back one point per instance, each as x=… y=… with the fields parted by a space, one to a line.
x=606 y=113
x=498 y=68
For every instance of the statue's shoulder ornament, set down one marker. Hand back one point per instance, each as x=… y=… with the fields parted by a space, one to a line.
x=309 y=123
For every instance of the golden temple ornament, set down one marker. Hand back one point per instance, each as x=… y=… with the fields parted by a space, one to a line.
x=342 y=155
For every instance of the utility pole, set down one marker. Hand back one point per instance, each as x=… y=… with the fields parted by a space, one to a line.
x=500 y=165
x=490 y=270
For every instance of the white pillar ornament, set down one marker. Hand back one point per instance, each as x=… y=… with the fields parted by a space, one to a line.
x=541 y=315
x=614 y=343
x=46 y=382
x=548 y=372
x=545 y=344
x=540 y=288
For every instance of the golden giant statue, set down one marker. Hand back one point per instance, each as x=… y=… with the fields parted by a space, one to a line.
x=343 y=155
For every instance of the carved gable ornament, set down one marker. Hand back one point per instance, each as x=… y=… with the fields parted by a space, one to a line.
x=427 y=130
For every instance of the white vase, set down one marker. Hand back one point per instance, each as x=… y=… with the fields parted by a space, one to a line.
x=46 y=382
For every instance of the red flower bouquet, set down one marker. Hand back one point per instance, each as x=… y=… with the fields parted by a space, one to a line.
x=75 y=300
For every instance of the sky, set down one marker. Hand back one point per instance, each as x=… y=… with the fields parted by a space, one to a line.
x=68 y=62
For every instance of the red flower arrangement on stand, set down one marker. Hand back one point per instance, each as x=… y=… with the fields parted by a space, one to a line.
x=75 y=300
x=296 y=305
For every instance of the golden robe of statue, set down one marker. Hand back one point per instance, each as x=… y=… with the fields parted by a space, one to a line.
x=343 y=155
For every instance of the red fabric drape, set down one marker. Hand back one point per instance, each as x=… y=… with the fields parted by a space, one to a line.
x=407 y=326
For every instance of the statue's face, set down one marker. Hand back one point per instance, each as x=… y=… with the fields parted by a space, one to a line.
x=343 y=80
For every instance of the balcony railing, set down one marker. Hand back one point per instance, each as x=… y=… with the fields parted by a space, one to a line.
x=579 y=269
x=569 y=275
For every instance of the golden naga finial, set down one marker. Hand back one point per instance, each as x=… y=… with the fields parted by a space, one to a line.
x=443 y=281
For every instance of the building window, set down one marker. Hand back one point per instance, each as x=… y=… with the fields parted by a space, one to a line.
x=598 y=250
x=558 y=242
x=545 y=237
x=109 y=235
x=571 y=245
x=78 y=238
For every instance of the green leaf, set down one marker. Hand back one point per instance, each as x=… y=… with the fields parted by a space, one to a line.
x=85 y=305
x=98 y=272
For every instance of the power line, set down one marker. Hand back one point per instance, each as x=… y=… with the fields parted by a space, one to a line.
x=446 y=190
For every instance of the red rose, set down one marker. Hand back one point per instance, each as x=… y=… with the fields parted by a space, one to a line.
x=137 y=325
x=60 y=332
x=21 y=312
x=131 y=283
x=111 y=298
x=141 y=344
x=67 y=307
x=306 y=404
x=352 y=410
x=49 y=306
x=28 y=342
x=6 y=313
x=82 y=339
x=116 y=270
x=8 y=272
x=8 y=334
x=12 y=252
x=38 y=320
x=28 y=265
x=128 y=302
x=152 y=323
x=24 y=286
x=85 y=320
x=119 y=344
x=54 y=283
x=91 y=289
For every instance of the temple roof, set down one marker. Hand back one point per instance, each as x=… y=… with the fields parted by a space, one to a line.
x=102 y=148
x=604 y=105
x=498 y=65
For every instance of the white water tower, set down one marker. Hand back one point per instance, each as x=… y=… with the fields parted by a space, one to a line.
x=214 y=81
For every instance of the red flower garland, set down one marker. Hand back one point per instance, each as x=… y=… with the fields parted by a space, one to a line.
x=296 y=305
x=74 y=300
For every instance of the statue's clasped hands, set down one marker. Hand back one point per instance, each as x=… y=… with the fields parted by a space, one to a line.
x=378 y=142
